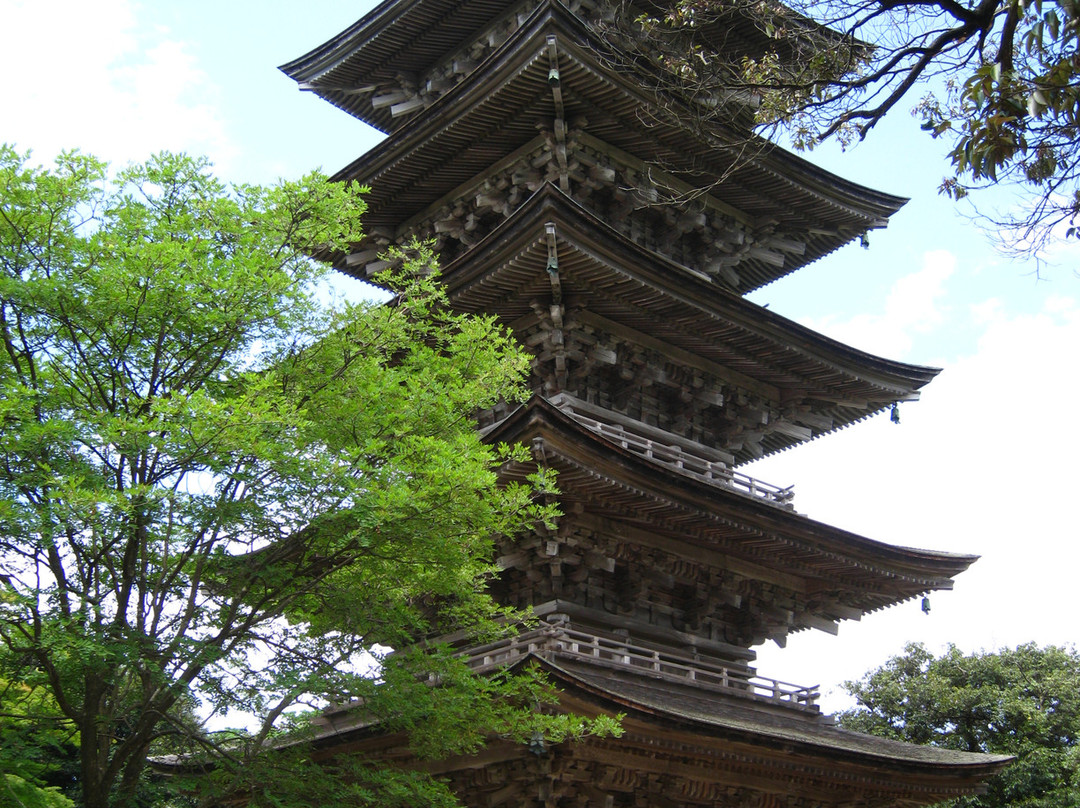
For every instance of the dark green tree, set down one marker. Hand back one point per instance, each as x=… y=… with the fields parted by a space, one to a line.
x=1023 y=701
x=39 y=755
x=216 y=492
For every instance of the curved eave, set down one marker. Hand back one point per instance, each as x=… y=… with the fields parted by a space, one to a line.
x=411 y=35
x=494 y=111
x=435 y=146
x=699 y=720
x=613 y=279
x=771 y=752
x=396 y=37
x=578 y=42
x=709 y=717
x=519 y=245
x=869 y=574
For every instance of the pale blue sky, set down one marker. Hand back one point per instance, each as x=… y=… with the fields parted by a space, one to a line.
x=986 y=463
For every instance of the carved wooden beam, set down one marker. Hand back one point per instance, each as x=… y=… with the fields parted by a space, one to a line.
x=683 y=357
x=559 y=124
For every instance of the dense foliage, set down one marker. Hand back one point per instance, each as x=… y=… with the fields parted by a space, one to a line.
x=38 y=750
x=1023 y=701
x=999 y=78
x=217 y=492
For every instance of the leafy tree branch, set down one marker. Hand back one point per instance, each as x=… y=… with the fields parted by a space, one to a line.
x=997 y=78
x=218 y=492
x=1022 y=701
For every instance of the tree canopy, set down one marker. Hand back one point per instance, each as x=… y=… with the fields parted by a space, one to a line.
x=1000 y=79
x=217 y=492
x=1023 y=701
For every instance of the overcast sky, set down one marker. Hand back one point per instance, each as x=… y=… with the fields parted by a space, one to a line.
x=986 y=463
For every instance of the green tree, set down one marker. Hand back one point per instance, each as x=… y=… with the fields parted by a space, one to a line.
x=1023 y=701
x=999 y=79
x=216 y=493
x=38 y=747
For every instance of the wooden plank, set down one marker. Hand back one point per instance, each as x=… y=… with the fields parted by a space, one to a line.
x=761 y=777
x=768 y=256
x=792 y=430
x=362 y=257
x=585 y=618
x=793 y=246
x=677 y=185
x=720 y=558
x=818 y=622
x=389 y=99
x=683 y=357
x=471 y=186
x=405 y=107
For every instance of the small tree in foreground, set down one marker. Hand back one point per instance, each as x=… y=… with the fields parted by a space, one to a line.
x=217 y=493
x=1023 y=701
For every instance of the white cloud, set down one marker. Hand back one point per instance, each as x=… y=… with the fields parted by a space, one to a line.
x=986 y=311
x=914 y=306
x=984 y=464
x=1060 y=304
x=85 y=75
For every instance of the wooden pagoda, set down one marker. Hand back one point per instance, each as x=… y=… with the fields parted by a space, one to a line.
x=617 y=245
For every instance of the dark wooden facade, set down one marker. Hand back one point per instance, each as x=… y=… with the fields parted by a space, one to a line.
x=566 y=198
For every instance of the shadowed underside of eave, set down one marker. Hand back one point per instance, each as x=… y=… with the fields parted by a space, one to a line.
x=862 y=573
x=503 y=103
x=504 y=271
x=609 y=284
x=408 y=38
x=681 y=749
x=775 y=749
x=395 y=37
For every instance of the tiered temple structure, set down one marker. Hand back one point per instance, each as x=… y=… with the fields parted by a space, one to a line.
x=565 y=196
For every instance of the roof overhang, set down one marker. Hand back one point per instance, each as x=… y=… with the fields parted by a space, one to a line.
x=836 y=573
x=610 y=283
x=497 y=108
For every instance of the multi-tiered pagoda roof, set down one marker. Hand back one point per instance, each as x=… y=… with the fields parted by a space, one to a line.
x=615 y=232
x=533 y=99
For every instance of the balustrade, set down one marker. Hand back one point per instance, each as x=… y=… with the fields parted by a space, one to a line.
x=676 y=457
x=556 y=642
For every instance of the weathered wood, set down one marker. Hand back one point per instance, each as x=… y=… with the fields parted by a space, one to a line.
x=389 y=99
x=362 y=257
x=719 y=558
x=679 y=187
x=682 y=356
x=575 y=405
x=794 y=430
x=667 y=564
x=413 y=104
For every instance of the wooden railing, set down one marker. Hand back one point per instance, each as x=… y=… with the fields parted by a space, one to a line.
x=711 y=471
x=555 y=642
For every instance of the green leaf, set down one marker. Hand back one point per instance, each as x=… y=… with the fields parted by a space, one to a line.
x=218 y=491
